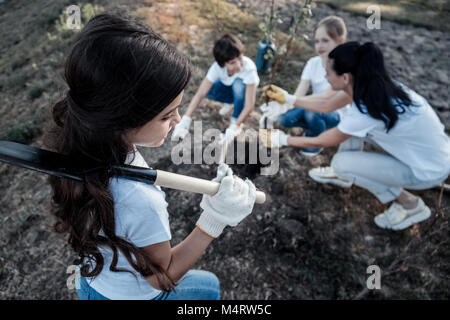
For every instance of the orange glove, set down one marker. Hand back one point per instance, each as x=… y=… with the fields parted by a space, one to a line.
x=273 y=93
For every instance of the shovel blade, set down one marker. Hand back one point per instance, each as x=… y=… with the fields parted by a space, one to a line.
x=39 y=160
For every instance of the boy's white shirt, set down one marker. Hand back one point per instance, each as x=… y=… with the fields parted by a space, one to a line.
x=417 y=139
x=249 y=74
x=141 y=218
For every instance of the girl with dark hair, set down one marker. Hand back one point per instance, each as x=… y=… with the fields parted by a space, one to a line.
x=125 y=85
x=389 y=115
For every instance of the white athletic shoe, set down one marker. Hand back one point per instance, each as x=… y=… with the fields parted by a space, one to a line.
x=225 y=108
x=327 y=175
x=309 y=153
x=398 y=218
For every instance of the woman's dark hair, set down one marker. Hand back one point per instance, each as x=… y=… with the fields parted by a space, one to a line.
x=227 y=48
x=372 y=85
x=120 y=75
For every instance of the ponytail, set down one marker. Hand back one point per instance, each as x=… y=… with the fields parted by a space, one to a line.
x=374 y=92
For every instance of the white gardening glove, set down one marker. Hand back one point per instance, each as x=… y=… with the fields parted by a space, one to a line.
x=272 y=110
x=230 y=205
x=230 y=133
x=273 y=138
x=181 y=129
x=274 y=93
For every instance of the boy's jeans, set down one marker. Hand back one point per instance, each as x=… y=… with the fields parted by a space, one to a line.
x=314 y=123
x=194 y=285
x=229 y=94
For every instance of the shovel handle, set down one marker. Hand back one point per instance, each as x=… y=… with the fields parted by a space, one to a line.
x=191 y=184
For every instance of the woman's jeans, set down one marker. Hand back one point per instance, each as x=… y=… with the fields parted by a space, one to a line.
x=381 y=174
x=234 y=94
x=194 y=285
x=314 y=123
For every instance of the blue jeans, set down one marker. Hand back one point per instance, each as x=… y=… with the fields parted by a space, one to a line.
x=234 y=94
x=314 y=123
x=194 y=285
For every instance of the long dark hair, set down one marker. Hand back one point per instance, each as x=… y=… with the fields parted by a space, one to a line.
x=372 y=85
x=120 y=75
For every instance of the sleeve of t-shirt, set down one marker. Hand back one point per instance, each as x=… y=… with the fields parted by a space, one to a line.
x=307 y=71
x=251 y=74
x=355 y=123
x=143 y=216
x=251 y=77
x=213 y=72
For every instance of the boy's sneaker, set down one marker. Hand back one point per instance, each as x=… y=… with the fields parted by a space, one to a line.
x=225 y=108
x=310 y=152
x=399 y=218
x=327 y=175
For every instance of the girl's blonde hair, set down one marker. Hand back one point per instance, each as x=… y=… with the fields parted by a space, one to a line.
x=335 y=27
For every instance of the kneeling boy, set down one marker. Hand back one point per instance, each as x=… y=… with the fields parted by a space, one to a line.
x=232 y=79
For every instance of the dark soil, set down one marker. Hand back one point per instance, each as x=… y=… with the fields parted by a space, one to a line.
x=308 y=241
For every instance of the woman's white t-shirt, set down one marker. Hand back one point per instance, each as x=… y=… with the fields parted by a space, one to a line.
x=142 y=219
x=248 y=74
x=417 y=139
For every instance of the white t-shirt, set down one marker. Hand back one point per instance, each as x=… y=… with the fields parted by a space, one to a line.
x=417 y=139
x=142 y=219
x=315 y=72
x=249 y=74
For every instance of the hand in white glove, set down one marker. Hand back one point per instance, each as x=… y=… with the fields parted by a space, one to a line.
x=181 y=129
x=230 y=205
x=232 y=131
x=272 y=110
x=273 y=138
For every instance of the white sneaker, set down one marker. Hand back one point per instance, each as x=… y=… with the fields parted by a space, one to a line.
x=225 y=108
x=327 y=175
x=311 y=154
x=399 y=218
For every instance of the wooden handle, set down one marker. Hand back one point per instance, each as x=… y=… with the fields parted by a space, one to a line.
x=191 y=184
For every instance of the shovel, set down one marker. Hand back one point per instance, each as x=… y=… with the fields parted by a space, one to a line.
x=62 y=166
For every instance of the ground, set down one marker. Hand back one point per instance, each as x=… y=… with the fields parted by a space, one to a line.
x=308 y=241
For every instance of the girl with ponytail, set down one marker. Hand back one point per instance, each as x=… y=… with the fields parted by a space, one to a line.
x=393 y=117
x=125 y=85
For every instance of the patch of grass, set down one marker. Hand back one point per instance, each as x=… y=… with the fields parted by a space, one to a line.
x=35 y=90
x=17 y=79
x=24 y=132
x=227 y=17
x=19 y=61
x=429 y=14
